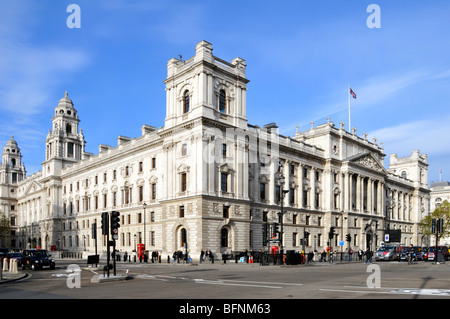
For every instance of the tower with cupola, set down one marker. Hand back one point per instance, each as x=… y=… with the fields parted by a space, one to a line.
x=65 y=142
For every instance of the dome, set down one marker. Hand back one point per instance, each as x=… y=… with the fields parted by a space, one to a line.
x=65 y=101
x=11 y=142
x=11 y=147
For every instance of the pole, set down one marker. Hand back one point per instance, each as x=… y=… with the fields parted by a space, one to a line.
x=95 y=237
x=114 y=259
x=145 y=248
x=349 y=118
x=108 y=253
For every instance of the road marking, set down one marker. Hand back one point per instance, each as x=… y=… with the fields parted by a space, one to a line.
x=222 y=282
x=398 y=291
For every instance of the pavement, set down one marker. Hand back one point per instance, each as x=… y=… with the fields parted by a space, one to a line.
x=7 y=277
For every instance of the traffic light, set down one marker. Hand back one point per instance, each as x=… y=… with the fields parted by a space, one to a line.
x=433 y=225
x=105 y=223
x=275 y=230
x=348 y=238
x=331 y=233
x=440 y=225
x=115 y=219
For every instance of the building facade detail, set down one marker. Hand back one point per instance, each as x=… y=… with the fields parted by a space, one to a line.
x=209 y=180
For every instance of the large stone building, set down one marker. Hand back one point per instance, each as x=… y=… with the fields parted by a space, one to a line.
x=209 y=178
x=440 y=192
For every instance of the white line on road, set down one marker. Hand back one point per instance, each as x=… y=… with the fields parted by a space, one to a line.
x=395 y=291
x=221 y=282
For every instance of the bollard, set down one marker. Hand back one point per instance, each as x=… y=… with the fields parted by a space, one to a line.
x=13 y=266
x=5 y=264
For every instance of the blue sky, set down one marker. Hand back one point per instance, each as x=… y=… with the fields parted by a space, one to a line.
x=301 y=56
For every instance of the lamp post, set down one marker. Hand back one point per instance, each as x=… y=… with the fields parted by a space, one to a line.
x=144 y=206
x=281 y=180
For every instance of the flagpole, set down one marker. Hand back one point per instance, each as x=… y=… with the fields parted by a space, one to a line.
x=349 y=118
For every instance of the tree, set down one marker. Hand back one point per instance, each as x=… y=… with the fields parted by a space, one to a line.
x=5 y=229
x=443 y=211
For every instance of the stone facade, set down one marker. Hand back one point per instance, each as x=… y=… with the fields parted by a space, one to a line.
x=440 y=192
x=210 y=175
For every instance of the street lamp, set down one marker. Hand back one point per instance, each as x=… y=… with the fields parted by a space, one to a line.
x=281 y=181
x=144 y=206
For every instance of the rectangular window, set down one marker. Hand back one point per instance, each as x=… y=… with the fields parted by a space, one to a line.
x=152 y=238
x=224 y=182
x=292 y=169
x=277 y=193
x=183 y=182
x=226 y=211
x=141 y=193
x=70 y=149
x=154 y=191
x=181 y=212
x=292 y=196
x=262 y=191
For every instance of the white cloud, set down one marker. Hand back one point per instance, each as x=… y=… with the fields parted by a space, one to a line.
x=424 y=135
x=29 y=74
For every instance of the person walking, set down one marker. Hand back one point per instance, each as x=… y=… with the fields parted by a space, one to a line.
x=360 y=254
x=368 y=254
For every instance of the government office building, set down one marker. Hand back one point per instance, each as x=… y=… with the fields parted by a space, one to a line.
x=210 y=180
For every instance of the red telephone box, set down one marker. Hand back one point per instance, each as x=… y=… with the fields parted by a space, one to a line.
x=141 y=251
x=274 y=250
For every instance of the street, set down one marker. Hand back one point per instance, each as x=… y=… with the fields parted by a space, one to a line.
x=387 y=280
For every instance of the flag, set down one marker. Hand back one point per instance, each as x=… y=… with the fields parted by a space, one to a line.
x=352 y=93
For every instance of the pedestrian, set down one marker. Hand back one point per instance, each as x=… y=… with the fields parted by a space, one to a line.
x=360 y=254
x=368 y=254
x=125 y=256
x=202 y=254
x=323 y=256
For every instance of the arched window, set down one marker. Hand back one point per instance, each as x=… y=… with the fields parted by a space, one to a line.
x=404 y=174
x=224 y=237
x=222 y=101
x=68 y=128
x=186 y=101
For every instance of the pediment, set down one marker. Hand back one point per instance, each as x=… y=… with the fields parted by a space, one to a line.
x=33 y=187
x=368 y=161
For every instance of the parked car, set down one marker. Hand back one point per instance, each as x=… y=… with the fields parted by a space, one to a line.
x=16 y=256
x=430 y=254
x=407 y=250
x=37 y=259
x=386 y=253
